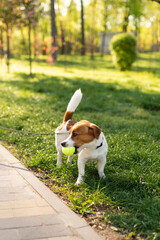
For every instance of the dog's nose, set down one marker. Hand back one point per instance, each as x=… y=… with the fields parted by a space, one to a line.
x=63 y=144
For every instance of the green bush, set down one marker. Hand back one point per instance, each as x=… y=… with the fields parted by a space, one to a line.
x=123 y=50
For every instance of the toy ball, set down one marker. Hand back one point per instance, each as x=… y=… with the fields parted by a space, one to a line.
x=68 y=150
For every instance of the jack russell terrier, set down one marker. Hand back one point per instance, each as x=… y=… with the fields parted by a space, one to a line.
x=87 y=138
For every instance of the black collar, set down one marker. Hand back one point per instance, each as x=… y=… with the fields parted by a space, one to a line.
x=99 y=145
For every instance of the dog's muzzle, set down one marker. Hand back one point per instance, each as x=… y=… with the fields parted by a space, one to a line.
x=63 y=144
x=76 y=150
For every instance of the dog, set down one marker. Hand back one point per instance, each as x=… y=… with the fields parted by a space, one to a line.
x=87 y=138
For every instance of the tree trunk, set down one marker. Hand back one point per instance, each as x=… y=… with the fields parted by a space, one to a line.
x=62 y=39
x=29 y=48
x=82 y=30
x=93 y=29
x=35 y=43
x=105 y=18
x=23 y=40
x=126 y=20
x=103 y=42
x=8 y=49
x=1 y=43
x=125 y=23
x=158 y=1
x=136 y=27
x=53 y=32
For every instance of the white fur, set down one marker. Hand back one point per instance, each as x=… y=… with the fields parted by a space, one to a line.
x=62 y=134
x=75 y=101
x=63 y=130
x=87 y=152
x=60 y=137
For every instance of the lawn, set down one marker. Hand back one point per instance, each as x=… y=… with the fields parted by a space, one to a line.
x=126 y=105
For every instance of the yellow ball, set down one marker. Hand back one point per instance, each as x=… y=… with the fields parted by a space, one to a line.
x=68 y=150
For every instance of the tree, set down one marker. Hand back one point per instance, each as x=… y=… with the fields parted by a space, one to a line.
x=82 y=30
x=72 y=19
x=131 y=8
x=1 y=41
x=53 y=32
x=30 y=12
x=136 y=10
x=104 y=23
x=158 y=1
x=93 y=28
x=62 y=24
x=8 y=14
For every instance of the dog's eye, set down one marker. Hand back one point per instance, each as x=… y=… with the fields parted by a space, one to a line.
x=74 y=134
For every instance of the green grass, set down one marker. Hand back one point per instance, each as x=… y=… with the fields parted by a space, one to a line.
x=126 y=105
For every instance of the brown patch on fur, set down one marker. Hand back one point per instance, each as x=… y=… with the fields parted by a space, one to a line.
x=67 y=116
x=70 y=125
x=96 y=130
x=84 y=132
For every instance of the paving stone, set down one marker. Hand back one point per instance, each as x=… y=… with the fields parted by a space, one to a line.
x=62 y=238
x=4 y=172
x=9 y=234
x=31 y=221
x=6 y=213
x=29 y=203
x=21 y=189
x=6 y=205
x=18 y=182
x=35 y=211
x=7 y=197
x=21 y=196
x=5 y=183
x=11 y=223
x=41 y=202
x=51 y=219
x=6 y=190
x=73 y=220
x=5 y=178
x=44 y=232
x=13 y=172
x=88 y=233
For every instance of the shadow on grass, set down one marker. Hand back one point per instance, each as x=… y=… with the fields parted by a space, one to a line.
x=99 y=96
x=130 y=158
x=147 y=63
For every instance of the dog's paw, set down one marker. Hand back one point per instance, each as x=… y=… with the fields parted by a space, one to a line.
x=79 y=181
x=103 y=176
x=59 y=165
x=69 y=162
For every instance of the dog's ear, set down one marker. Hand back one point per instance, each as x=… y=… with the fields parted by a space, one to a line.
x=96 y=130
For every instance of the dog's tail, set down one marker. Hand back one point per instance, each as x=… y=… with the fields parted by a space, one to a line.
x=72 y=105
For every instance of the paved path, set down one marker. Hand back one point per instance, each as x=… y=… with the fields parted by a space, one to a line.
x=29 y=210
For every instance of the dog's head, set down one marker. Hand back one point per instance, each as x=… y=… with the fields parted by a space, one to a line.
x=82 y=135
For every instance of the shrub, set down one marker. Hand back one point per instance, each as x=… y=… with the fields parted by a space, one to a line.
x=123 y=50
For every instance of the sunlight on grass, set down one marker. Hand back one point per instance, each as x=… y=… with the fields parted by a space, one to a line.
x=125 y=105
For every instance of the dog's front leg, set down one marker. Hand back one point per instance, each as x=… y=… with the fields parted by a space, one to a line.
x=101 y=165
x=59 y=158
x=81 y=170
